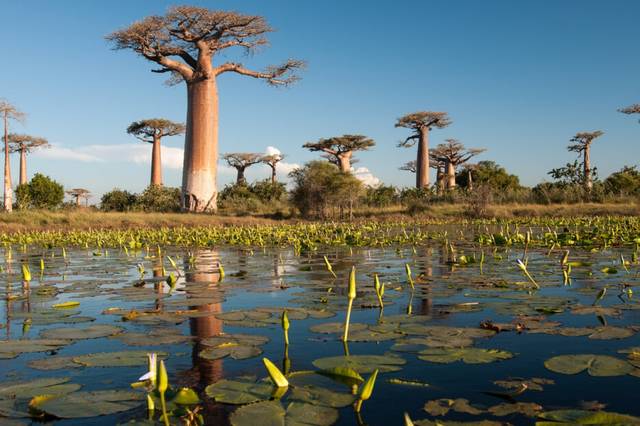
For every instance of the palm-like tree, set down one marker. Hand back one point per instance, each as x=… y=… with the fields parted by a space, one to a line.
x=339 y=149
x=582 y=145
x=24 y=144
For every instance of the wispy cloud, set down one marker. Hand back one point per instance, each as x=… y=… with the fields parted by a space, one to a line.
x=366 y=176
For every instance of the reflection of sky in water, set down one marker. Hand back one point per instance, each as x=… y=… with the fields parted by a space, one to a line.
x=277 y=278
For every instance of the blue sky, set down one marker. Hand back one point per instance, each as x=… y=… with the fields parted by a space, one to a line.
x=517 y=77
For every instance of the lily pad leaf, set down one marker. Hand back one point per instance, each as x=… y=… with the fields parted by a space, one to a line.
x=440 y=407
x=239 y=391
x=363 y=364
x=88 y=404
x=583 y=417
x=466 y=355
x=115 y=359
x=595 y=365
x=75 y=333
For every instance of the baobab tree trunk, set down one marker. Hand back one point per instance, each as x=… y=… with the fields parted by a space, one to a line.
x=240 y=179
x=156 y=163
x=199 y=193
x=273 y=174
x=451 y=176
x=77 y=201
x=345 y=161
x=422 y=161
x=23 y=166
x=587 y=168
x=469 y=180
x=440 y=180
x=8 y=192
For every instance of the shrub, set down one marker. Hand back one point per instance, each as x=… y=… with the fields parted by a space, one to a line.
x=626 y=181
x=118 y=200
x=41 y=192
x=382 y=196
x=158 y=198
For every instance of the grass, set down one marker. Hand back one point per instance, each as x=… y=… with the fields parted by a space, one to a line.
x=82 y=219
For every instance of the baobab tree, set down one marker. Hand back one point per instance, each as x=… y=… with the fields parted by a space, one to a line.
x=240 y=161
x=631 y=109
x=24 y=144
x=453 y=154
x=8 y=112
x=409 y=166
x=421 y=123
x=184 y=43
x=272 y=161
x=582 y=145
x=152 y=131
x=339 y=149
x=438 y=166
x=79 y=193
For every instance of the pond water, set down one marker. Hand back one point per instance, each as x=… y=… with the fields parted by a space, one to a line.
x=468 y=330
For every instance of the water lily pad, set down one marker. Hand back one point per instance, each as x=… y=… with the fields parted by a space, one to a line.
x=320 y=396
x=115 y=359
x=88 y=404
x=610 y=333
x=466 y=355
x=153 y=338
x=239 y=391
x=529 y=409
x=231 y=350
x=534 y=384
x=336 y=327
x=363 y=364
x=31 y=388
x=595 y=365
x=583 y=417
x=12 y=348
x=76 y=333
x=53 y=363
x=440 y=407
x=271 y=413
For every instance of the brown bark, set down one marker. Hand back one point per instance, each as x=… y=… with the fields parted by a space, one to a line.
x=201 y=147
x=451 y=176
x=422 y=161
x=156 y=162
x=469 y=180
x=240 y=179
x=587 y=168
x=8 y=192
x=273 y=174
x=440 y=180
x=344 y=160
x=23 y=166
x=77 y=200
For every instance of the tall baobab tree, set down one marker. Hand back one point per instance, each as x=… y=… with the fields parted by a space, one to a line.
x=453 y=153
x=272 y=161
x=240 y=161
x=631 y=109
x=79 y=193
x=184 y=43
x=152 y=131
x=421 y=123
x=24 y=144
x=339 y=149
x=582 y=144
x=8 y=112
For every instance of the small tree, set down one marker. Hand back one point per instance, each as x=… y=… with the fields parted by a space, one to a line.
x=420 y=123
x=41 y=192
x=158 y=198
x=272 y=161
x=8 y=112
x=453 y=154
x=626 y=181
x=631 y=109
x=80 y=193
x=409 y=166
x=24 y=144
x=582 y=145
x=572 y=174
x=339 y=149
x=241 y=161
x=490 y=174
x=117 y=200
x=152 y=131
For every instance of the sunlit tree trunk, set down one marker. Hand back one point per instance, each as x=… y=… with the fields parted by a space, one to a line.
x=240 y=179
x=8 y=192
x=451 y=176
x=201 y=147
x=23 y=166
x=345 y=161
x=422 y=161
x=440 y=180
x=469 y=180
x=588 y=181
x=156 y=162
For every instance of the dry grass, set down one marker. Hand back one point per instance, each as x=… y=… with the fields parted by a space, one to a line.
x=34 y=220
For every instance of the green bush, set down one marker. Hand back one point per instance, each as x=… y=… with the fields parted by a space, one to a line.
x=118 y=200
x=626 y=181
x=382 y=196
x=158 y=198
x=41 y=192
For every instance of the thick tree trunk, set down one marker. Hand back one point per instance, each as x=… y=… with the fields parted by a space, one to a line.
x=469 y=180
x=199 y=193
x=440 y=180
x=23 y=166
x=422 y=161
x=77 y=201
x=451 y=176
x=156 y=163
x=273 y=174
x=587 y=168
x=345 y=161
x=8 y=192
x=240 y=179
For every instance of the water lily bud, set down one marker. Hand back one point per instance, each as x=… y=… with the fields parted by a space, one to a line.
x=151 y=406
x=26 y=273
x=285 y=320
x=352 y=283
x=367 y=388
x=163 y=378
x=275 y=374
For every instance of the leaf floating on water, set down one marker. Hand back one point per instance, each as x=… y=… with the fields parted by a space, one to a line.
x=466 y=355
x=90 y=332
x=31 y=388
x=363 y=364
x=115 y=359
x=440 y=407
x=239 y=391
x=88 y=404
x=66 y=305
x=529 y=409
x=408 y=382
x=271 y=413
x=345 y=375
x=583 y=417
x=595 y=365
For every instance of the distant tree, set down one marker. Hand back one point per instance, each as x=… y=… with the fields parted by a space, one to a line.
x=440 y=167
x=572 y=174
x=184 y=42
x=420 y=124
x=626 y=181
x=582 y=145
x=117 y=200
x=272 y=161
x=453 y=154
x=8 y=112
x=631 y=109
x=159 y=198
x=382 y=196
x=240 y=161
x=339 y=149
x=152 y=131
x=80 y=193
x=488 y=173
x=41 y=192
x=24 y=144
x=409 y=166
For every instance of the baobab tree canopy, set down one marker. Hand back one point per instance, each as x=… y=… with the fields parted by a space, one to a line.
x=409 y=166
x=183 y=43
x=631 y=109
x=240 y=161
x=340 y=148
x=79 y=193
x=20 y=142
x=148 y=130
x=583 y=139
x=453 y=153
x=422 y=119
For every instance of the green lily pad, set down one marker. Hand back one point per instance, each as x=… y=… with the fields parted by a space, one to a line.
x=529 y=409
x=534 y=384
x=153 y=338
x=13 y=348
x=440 y=407
x=336 y=327
x=29 y=389
x=466 y=355
x=89 y=404
x=239 y=391
x=595 y=365
x=320 y=396
x=53 y=363
x=610 y=333
x=115 y=359
x=363 y=364
x=583 y=417
x=231 y=350
x=271 y=413
x=76 y=333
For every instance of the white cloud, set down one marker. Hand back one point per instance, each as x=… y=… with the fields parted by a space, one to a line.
x=366 y=176
x=57 y=152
